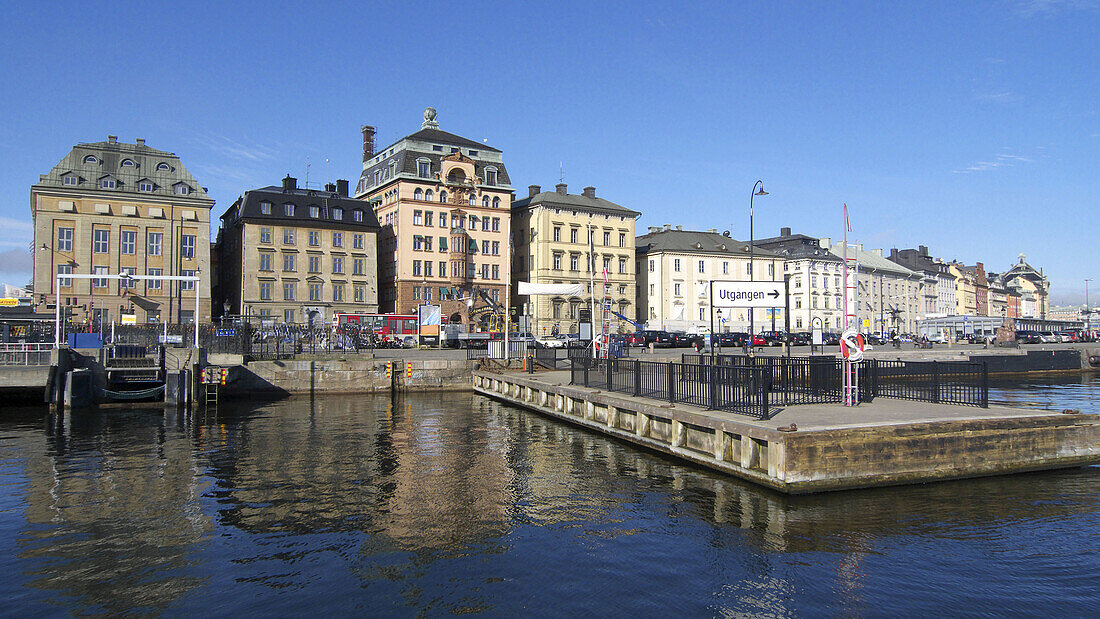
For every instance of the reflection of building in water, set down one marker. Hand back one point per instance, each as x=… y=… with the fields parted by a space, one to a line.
x=112 y=513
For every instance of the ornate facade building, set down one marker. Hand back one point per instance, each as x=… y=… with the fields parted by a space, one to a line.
x=553 y=232
x=109 y=208
x=1028 y=290
x=443 y=203
x=297 y=255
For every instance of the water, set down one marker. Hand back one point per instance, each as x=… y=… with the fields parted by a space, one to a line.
x=448 y=504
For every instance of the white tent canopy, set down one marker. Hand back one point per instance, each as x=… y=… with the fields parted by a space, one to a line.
x=566 y=290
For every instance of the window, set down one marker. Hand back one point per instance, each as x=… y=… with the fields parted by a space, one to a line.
x=485 y=201
x=314 y=238
x=485 y=247
x=265 y=208
x=357 y=293
x=417 y=270
x=496 y=202
x=428 y=218
x=314 y=264
x=473 y=222
x=606 y=238
x=442 y=220
x=288 y=236
x=129 y=241
x=288 y=295
x=144 y=186
x=265 y=291
x=484 y=224
x=288 y=263
x=473 y=246
x=315 y=292
x=607 y=264
x=163 y=167
x=154 y=284
x=181 y=190
x=70 y=179
x=267 y=260
x=748 y=269
x=107 y=183
x=428 y=195
x=676 y=290
x=337 y=293
x=725 y=268
x=652 y=266
x=90 y=159
x=416 y=293
x=185 y=285
x=99 y=282
x=702 y=313
x=702 y=267
x=357 y=241
x=496 y=271
x=496 y=248
x=265 y=236
x=337 y=239
x=427 y=268
x=126 y=283
x=676 y=265
x=418 y=218
x=314 y=211
x=557 y=262
x=442 y=243
x=64 y=239
x=771 y=270
x=337 y=214
x=557 y=234
x=187 y=246
x=357 y=266
x=65 y=269
x=338 y=265
x=100 y=243
x=418 y=242
x=573 y=235
x=442 y=269
x=573 y=262
x=490 y=176
x=288 y=210
x=443 y=196
x=622 y=265
x=622 y=239
x=423 y=168
x=496 y=224
x=357 y=215
x=427 y=243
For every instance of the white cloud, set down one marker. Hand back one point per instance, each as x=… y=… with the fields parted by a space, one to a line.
x=1001 y=160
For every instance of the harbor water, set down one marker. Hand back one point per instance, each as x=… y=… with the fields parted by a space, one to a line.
x=437 y=504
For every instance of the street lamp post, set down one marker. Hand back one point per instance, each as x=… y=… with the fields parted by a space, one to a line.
x=1088 y=310
x=752 y=268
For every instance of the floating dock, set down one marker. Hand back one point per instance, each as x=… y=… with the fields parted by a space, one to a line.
x=831 y=447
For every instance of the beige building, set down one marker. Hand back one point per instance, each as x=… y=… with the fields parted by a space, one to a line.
x=442 y=201
x=111 y=208
x=966 y=290
x=552 y=230
x=297 y=255
x=675 y=268
x=890 y=296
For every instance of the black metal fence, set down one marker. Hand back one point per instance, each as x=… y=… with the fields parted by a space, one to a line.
x=741 y=390
x=950 y=382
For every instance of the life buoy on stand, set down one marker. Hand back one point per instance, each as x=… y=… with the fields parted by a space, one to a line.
x=851 y=346
x=598 y=343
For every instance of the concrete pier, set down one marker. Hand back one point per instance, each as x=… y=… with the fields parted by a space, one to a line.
x=885 y=442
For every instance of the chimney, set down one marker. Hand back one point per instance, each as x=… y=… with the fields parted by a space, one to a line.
x=342 y=187
x=877 y=252
x=368 y=142
x=680 y=228
x=590 y=192
x=710 y=230
x=825 y=242
x=653 y=229
x=533 y=190
x=560 y=187
x=112 y=139
x=140 y=141
x=668 y=227
x=289 y=183
x=923 y=250
x=330 y=187
x=894 y=253
x=784 y=232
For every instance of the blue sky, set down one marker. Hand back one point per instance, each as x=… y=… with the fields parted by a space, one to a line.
x=970 y=127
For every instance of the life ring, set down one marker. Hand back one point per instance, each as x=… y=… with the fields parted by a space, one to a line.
x=598 y=343
x=851 y=346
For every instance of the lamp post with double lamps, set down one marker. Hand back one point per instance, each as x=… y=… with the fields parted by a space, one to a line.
x=752 y=267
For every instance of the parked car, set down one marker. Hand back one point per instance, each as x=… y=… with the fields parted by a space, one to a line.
x=1070 y=336
x=830 y=338
x=550 y=341
x=773 y=338
x=681 y=339
x=647 y=337
x=732 y=338
x=1029 y=337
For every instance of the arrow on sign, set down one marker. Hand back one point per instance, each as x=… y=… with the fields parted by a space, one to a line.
x=774 y=294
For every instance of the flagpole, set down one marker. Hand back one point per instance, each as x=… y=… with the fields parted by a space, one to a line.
x=507 y=295
x=592 y=284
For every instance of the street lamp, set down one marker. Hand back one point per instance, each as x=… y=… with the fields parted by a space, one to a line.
x=1088 y=310
x=752 y=270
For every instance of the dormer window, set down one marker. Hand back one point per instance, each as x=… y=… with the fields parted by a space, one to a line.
x=181 y=189
x=90 y=159
x=163 y=167
x=145 y=185
x=338 y=214
x=423 y=168
x=490 y=176
x=70 y=179
x=265 y=208
x=357 y=215
x=314 y=211
x=107 y=183
x=288 y=210
x=128 y=163
x=473 y=153
x=437 y=148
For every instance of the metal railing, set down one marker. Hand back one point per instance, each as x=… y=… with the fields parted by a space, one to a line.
x=25 y=354
x=742 y=390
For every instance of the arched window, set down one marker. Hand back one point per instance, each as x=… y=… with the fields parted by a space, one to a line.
x=128 y=163
x=429 y=195
x=418 y=194
x=90 y=159
x=496 y=202
x=473 y=199
x=163 y=167
x=485 y=201
x=443 y=196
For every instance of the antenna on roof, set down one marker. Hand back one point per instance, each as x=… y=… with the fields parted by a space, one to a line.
x=307 y=173
x=561 y=171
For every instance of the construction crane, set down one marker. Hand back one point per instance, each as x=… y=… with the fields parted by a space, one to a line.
x=636 y=325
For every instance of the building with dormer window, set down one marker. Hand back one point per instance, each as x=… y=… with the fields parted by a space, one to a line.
x=111 y=207
x=443 y=203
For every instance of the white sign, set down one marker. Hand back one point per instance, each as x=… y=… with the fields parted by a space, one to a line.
x=817 y=336
x=750 y=294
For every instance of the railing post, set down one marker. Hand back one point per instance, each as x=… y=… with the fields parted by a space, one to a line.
x=935 y=382
x=587 y=365
x=764 y=398
x=985 y=385
x=713 y=375
x=671 y=384
x=607 y=372
x=637 y=378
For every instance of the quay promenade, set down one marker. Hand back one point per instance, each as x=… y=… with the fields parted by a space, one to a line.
x=819 y=447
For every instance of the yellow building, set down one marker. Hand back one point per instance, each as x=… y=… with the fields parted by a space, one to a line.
x=442 y=201
x=111 y=208
x=553 y=231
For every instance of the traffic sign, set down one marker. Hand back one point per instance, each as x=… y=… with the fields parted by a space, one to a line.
x=749 y=294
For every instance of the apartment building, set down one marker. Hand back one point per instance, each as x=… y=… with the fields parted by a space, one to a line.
x=814 y=279
x=889 y=295
x=113 y=208
x=295 y=254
